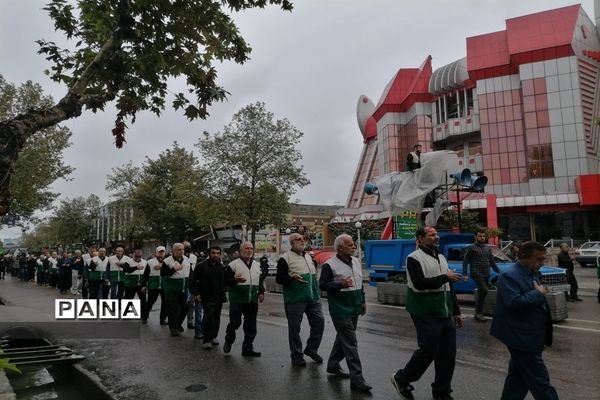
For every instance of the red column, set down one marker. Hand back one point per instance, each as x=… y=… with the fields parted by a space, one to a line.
x=492 y=215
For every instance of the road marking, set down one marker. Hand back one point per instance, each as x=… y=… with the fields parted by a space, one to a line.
x=576 y=328
x=584 y=320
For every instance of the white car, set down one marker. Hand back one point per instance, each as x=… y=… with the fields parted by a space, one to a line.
x=587 y=254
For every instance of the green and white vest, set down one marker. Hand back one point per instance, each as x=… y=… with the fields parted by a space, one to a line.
x=116 y=272
x=433 y=303
x=297 y=292
x=245 y=292
x=154 y=279
x=134 y=278
x=347 y=303
x=179 y=281
x=101 y=267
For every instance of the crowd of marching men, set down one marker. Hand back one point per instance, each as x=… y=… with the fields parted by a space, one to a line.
x=195 y=286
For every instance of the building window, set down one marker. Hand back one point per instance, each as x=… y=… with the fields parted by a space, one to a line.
x=540 y=161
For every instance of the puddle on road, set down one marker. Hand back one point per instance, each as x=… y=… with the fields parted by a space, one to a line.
x=195 y=388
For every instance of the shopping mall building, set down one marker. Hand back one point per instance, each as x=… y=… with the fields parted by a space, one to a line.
x=520 y=108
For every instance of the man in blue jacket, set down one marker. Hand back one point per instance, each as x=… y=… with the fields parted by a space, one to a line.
x=522 y=322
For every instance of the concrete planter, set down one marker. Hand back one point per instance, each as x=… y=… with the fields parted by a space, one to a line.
x=392 y=293
x=556 y=300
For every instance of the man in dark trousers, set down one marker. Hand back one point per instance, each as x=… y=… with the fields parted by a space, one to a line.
x=479 y=257
x=341 y=277
x=522 y=322
x=175 y=273
x=434 y=310
x=152 y=283
x=207 y=287
x=301 y=295
x=246 y=290
x=566 y=261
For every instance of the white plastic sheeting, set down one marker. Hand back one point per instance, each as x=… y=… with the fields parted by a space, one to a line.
x=406 y=191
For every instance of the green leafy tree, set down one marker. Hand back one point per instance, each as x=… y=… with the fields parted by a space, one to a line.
x=74 y=220
x=123 y=183
x=469 y=220
x=40 y=161
x=254 y=167
x=170 y=197
x=125 y=51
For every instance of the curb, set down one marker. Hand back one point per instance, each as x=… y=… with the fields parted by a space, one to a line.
x=6 y=390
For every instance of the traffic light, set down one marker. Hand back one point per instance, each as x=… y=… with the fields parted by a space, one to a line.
x=471 y=181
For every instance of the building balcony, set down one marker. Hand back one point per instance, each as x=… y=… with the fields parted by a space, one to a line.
x=456 y=127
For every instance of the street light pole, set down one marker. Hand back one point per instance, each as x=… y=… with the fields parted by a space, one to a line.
x=358 y=225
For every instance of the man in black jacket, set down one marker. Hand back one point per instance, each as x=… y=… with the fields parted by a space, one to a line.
x=565 y=261
x=208 y=288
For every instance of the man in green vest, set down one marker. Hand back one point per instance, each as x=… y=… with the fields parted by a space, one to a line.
x=341 y=277
x=134 y=280
x=246 y=290
x=434 y=310
x=301 y=295
x=175 y=272
x=152 y=283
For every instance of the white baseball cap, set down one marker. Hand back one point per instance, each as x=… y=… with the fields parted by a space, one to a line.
x=160 y=248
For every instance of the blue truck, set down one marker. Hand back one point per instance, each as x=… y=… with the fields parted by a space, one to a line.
x=386 y=258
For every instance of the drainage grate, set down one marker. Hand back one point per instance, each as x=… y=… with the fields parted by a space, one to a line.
x=195 y=388
x=27 y=352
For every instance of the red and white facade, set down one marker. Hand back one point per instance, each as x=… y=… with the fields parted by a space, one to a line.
x=519 y=108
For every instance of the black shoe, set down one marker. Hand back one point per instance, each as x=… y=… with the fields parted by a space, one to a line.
x=362 y=387
x=570 y=300
x=251 y=353
x=226 y=347
x=443 y=397
x=163 y=322
x=315 y=356
x=175 y=332
x=198 y=337
x=144 y=321
x=191 y=326
x=339 y=372
x=180 y=328
x=298 y=362
x=578 y=299
x=405 y=392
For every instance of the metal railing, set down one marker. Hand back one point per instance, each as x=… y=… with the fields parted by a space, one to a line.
x=552 y=243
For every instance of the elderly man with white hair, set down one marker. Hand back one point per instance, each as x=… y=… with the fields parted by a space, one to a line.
x=301 y=295
x=341 y=277
x=175 y=272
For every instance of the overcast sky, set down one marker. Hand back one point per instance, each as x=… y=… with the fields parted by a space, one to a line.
x=309 y=66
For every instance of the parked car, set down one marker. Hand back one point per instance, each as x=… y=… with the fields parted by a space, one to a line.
x=587 y=254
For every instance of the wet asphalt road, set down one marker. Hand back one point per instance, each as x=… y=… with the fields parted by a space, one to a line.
x=157 y=366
